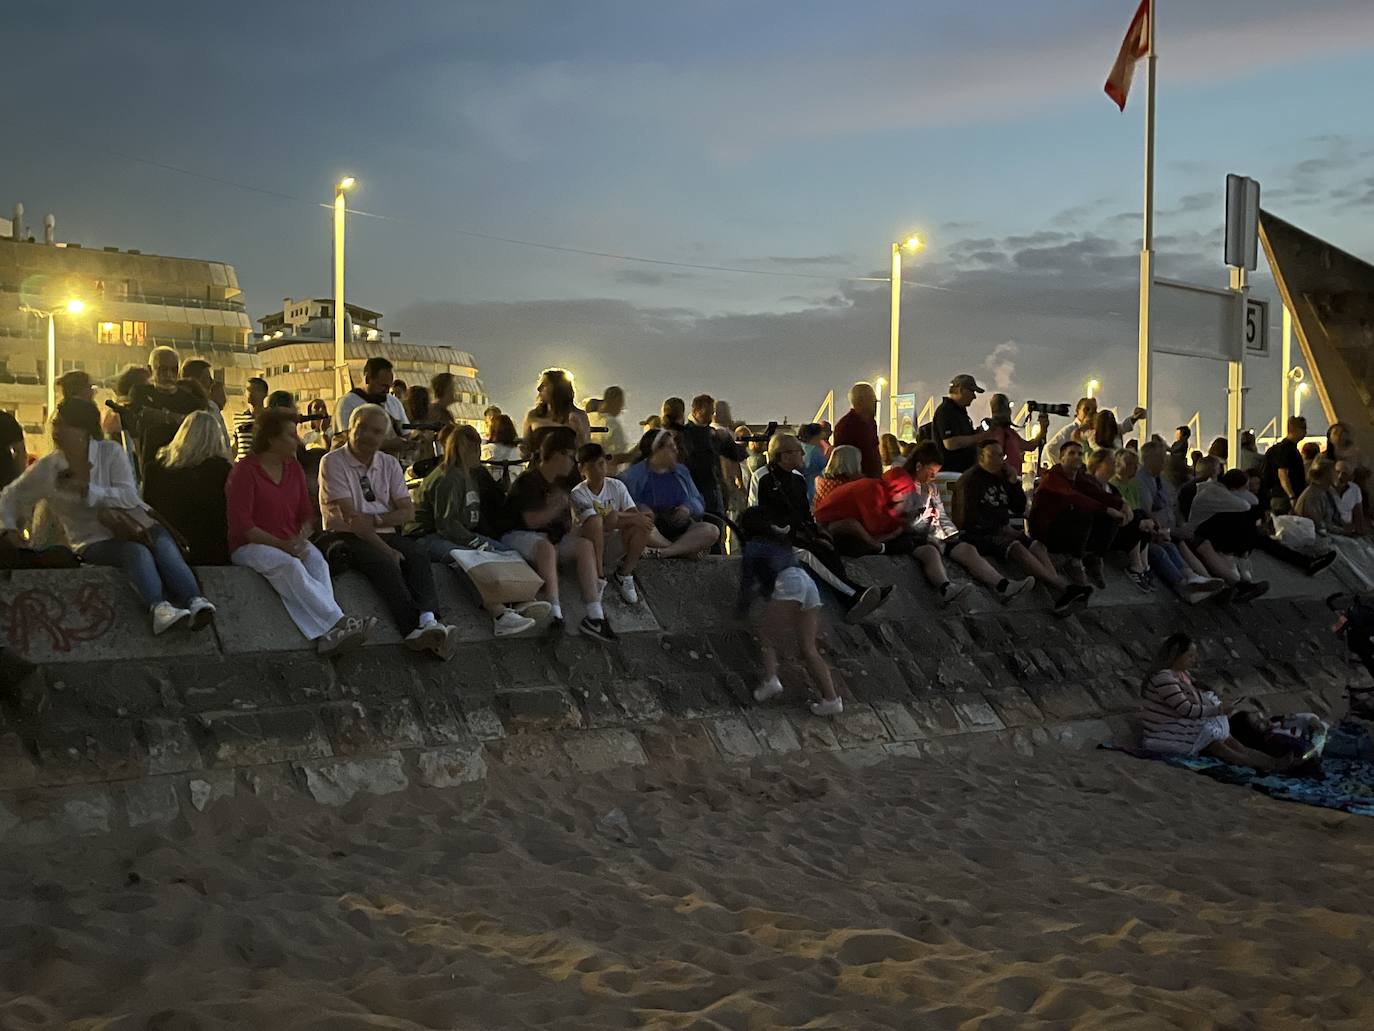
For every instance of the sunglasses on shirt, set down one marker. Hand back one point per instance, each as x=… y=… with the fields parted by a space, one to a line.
x=368 y=493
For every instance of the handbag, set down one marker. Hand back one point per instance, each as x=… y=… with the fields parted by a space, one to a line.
x=501 y=577
x=128 y=524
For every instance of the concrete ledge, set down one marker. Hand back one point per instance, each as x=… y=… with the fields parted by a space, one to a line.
x=120 y=729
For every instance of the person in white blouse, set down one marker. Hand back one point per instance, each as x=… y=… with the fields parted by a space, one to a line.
x=84 y=475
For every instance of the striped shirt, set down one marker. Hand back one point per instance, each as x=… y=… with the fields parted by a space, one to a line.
x=1174 y=711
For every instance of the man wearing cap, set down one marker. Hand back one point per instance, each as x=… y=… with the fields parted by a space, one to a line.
x=955 y=436
x=858 y=427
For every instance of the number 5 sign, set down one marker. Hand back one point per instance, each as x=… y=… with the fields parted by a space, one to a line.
x=1256 y=326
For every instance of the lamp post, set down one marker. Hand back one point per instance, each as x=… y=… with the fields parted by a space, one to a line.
x=340 y=358
x=1093 y=387
x=1299 y=392
x=71 y=307
x=911 y=244
x=878 y=384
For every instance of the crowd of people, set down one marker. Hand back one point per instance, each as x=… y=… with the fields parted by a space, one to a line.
x=388 y=484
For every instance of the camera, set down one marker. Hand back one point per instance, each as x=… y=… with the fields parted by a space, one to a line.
x=759 y=438
x=1061 y=410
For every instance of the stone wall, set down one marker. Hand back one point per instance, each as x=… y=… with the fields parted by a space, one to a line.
x=119 y=728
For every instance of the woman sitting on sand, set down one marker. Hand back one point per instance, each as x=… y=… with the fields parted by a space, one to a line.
x=1178 y=718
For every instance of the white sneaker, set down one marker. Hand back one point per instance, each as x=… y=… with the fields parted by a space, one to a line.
x=1017 y=587
x=202 y=613
x=511 y=622
x=428 y=637
x=626 y=586
x=533 y=609
x=953 y=591
x=349 y=634
x=166 y=615
x=768 y=689
x=828 y=706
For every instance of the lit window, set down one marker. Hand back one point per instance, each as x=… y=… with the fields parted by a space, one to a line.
x=135 y=332
x=108 y=333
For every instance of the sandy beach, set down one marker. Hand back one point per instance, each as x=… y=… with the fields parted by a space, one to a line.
x=1084 y=890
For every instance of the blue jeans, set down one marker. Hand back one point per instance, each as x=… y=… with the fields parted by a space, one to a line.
x=1166 y=560
x=158 y=573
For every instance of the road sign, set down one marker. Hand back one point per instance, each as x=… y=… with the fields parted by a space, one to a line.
x=1256 y=326
x=1242 y=222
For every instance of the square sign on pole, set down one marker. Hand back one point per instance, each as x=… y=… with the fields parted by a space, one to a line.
x=1242 y=222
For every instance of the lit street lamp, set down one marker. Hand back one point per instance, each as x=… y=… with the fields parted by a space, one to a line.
x=340 y=359
x=1093 y=387
x=71 y=307
x=1299 y=392
x=878 y=384
x=911 y=244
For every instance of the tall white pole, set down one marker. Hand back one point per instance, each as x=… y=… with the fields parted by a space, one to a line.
x=892 y=377
x=340 y=358
x=52 y=364
x=1235 y=375
x=1147 y=257
x=1282 y=427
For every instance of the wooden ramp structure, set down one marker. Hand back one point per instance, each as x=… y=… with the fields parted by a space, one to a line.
x=1331 y=296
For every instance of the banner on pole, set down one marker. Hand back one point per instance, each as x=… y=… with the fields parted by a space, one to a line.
x=906 y=416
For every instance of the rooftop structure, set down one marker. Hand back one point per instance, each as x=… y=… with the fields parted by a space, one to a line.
x=296 y=353
x=133 y=302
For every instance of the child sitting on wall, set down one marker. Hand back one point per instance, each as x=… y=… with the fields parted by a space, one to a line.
x=770 y=569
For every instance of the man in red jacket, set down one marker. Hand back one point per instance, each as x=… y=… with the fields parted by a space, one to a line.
x=1074 y=517
x=858 y=427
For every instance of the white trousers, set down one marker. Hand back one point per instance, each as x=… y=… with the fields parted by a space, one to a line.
x=303 y=584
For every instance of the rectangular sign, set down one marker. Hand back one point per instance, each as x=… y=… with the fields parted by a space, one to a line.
x=906 y=416
x=1256 y=326
x=1196 y=321
x=1242 y=222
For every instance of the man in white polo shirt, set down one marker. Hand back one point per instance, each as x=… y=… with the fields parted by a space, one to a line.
x=364 y=501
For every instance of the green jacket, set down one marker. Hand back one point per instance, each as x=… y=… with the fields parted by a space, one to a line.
x=449 y=504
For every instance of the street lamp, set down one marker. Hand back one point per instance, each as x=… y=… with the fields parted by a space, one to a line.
x=71 y=307
x=1299 y=392
x=911 y=245
x=340 y=359
x=878 y=384
x=1093 y=387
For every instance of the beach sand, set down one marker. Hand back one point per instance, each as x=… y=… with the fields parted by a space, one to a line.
x=1078 y=890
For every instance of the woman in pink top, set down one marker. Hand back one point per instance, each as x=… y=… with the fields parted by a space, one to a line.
x=270 y=522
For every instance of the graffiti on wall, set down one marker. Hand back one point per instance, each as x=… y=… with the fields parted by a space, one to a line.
x=35 y=617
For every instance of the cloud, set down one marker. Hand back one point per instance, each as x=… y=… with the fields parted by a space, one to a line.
x=1001 y=365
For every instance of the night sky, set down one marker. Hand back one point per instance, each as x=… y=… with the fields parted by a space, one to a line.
x=770 y=136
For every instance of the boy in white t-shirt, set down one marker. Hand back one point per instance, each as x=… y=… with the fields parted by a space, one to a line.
x=602 y=506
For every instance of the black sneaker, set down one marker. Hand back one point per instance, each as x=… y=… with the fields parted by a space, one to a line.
x=1249 y=590
x=1072 y=599
x=598 y=628
x=556 y=626
x=1320 y=562
x=865 y=602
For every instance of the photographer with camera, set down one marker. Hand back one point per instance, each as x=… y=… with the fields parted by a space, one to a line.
x=1085 y=422
x=378 y=381
x=782 y=498
x=1003 y=431
x=955 y=438
x=1073 y=517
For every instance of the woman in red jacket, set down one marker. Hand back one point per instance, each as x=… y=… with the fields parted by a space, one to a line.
x=1073 y=516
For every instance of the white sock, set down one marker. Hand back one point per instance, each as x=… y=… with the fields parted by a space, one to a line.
x=426 y=618
x=595 y=611
x=555 y=610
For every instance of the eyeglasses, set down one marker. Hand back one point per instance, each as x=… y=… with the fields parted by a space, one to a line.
x=366 y=485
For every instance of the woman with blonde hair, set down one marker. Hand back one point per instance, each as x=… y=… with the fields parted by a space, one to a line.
x=844 y=466
x=889 y=450
x=186 y=487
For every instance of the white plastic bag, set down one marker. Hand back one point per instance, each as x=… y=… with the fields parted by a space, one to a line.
x=1297 y=532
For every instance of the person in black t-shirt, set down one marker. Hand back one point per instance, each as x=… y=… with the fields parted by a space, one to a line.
x=985 y=499
x=1284 y=474
x=13 y=455
x=955 y=436
x=160 y=406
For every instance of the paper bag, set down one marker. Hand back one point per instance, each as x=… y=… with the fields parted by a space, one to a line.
x=501 y=577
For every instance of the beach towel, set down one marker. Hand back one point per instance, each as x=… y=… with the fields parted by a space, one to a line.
x=1346 y=784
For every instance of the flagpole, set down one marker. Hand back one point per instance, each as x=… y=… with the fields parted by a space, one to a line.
x=1147 y=248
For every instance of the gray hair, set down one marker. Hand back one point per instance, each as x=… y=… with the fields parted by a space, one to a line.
x=365 y=411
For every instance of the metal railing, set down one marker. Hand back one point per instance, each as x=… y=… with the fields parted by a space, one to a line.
x=158 y=299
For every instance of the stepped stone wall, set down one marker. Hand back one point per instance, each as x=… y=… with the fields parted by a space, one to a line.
x=121 y=729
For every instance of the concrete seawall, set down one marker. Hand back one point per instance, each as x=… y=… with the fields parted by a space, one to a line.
x=119 y=728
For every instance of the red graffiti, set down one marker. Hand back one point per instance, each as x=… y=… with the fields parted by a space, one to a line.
x=39 y=612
